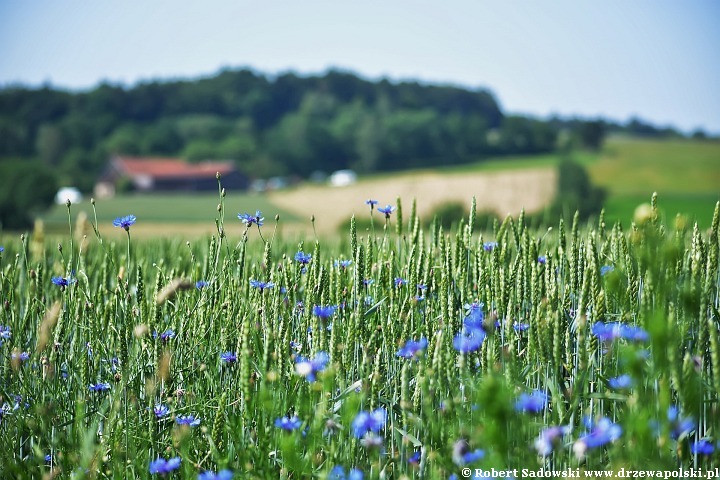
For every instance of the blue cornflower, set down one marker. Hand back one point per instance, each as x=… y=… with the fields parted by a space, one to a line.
x=620 y=383
x=549 y=438
x=633 y=334
x=308 y=368
x=288 y=423
x=474 y=315
x=62 y=282
x=168 y=334
x=679 y=426
x=18 y=400
x=343 y=263
x=302 y=257
x=200 y=284
x=5 y=409
x=520 y=327
x=228 y=357
x=702 y=447
x=189 y=420
x=533 y=403
x=604 y=431
x=261 y=285
x=387 y=210
x=399 y=281
x=415 y=459
x=366 y=422
x=490 y=246
x=22 y=356
x=469 y=340
x=125 y=222
x=221 y=475
x=324 y=312
x=5 y=333
x=412 y=348
x=610 y=331
x=368 y=281
x=338 y=473
x=605 y=269
x=462 y=455
x=542 y=260
x=160 y=410
x=370 y=202
x=2 y=249
x=475 y=455
x=99 y=387
x=163 y=466
x=251 y=220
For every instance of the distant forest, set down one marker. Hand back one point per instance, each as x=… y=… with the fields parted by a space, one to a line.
x=287 y=124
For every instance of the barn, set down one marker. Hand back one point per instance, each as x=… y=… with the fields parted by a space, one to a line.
x=152 y=174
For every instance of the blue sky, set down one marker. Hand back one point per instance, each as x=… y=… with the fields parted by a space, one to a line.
x=656 y=59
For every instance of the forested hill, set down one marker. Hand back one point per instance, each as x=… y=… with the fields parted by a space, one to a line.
x=286 y=124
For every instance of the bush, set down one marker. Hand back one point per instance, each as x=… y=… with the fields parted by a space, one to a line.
x=362 y=224
x=450 y=214
x=576 y=192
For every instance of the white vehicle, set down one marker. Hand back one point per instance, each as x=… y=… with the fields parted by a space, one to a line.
x=68 y=193
x=342 y=178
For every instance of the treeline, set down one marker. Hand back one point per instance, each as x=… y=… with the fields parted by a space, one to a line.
x=283 y=125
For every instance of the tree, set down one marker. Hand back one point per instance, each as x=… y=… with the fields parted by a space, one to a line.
x=13 y=137
x=50 y=144
x=25 y=189
x=199 y=150
x=592 y=134
x=160 y=139
x=124 y=140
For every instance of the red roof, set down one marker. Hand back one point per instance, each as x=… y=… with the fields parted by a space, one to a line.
x=170 y=167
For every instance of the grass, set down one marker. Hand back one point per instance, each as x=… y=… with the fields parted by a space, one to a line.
x=294 y=369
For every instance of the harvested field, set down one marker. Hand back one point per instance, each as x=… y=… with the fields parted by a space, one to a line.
x=501 y=192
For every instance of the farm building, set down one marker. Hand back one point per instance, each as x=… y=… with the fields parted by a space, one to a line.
x=149 y=174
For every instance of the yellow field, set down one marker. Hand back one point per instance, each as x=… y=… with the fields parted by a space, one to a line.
x=502 y=192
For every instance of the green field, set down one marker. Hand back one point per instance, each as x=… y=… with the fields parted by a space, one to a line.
x=684 y=173
x=166 y=208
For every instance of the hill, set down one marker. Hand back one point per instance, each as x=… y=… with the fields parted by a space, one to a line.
x=279 y=125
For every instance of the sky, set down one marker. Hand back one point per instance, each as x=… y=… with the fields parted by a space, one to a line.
x=654 y=59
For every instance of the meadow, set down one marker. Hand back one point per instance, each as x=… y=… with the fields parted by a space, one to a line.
x=398 y=352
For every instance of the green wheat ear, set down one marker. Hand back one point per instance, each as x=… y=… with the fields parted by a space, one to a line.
x=399 y=220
